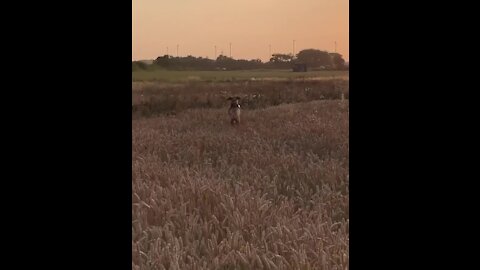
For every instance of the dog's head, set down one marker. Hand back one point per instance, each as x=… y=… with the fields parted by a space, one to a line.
x=234 y=101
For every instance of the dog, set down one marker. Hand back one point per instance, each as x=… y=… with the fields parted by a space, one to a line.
x=234 y=110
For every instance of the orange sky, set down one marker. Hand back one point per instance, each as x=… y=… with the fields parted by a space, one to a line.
x=250 y=25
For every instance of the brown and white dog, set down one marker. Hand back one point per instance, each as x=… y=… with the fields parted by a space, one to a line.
x=234 y=110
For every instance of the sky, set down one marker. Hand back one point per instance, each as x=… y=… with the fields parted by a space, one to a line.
x=254 y=28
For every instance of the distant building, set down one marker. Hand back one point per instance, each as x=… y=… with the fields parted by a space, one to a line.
x=300 y=68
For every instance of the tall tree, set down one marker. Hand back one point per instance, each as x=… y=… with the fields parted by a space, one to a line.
x=314 y=58
x=338 y=61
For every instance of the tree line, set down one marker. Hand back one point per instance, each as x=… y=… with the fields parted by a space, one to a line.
x=314 y=60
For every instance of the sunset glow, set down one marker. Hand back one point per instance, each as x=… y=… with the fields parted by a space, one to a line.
x=255 y=28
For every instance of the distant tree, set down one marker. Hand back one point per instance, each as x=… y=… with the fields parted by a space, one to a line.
x=314 y=58
x=136 y=65
x=223 y=58
x=225 y=62
x=281 y=58
x=338 y=61
x=163 y=61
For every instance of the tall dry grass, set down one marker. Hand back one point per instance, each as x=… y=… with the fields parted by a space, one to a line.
x=153 y=99
x=271 y=193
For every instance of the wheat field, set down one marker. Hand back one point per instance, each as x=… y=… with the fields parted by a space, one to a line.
x=234 y=75
x=271 y=193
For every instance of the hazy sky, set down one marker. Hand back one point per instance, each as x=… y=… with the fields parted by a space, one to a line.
x=250 y=25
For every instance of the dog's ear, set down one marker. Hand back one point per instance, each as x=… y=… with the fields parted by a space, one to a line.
x=229 y=98
x=237 y=98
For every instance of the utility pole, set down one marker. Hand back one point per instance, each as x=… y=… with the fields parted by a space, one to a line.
x=215 y=55
x=294 y=48
x=230 y=50
x=177 y=50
